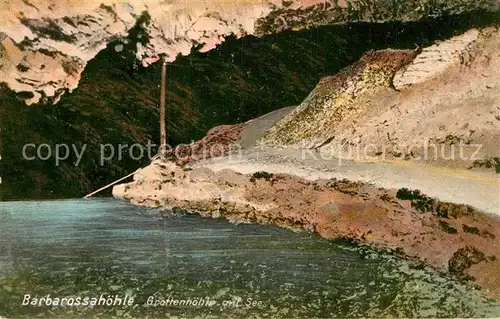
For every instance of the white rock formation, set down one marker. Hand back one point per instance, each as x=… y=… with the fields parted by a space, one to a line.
x=45 y=44
x=446 y=110
x=436 y=59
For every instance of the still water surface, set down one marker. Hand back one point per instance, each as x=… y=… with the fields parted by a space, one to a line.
x=89 y=248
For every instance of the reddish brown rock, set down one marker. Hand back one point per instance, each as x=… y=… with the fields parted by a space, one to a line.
x=446 y=236
x=218 y=141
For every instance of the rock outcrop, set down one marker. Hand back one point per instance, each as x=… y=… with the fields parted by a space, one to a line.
x=116 y=101
x=434 y=60
x=336 y=98
x=437 y=104
x=218 y=142
x=44 y=46
x=447 y=236
x=457 y=97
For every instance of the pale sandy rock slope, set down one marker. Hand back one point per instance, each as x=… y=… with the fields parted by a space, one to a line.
x=429 y=104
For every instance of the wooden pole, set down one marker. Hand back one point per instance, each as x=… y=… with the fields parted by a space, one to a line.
x=163 y=132
x=103 y=188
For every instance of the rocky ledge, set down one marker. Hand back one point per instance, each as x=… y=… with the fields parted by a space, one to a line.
x=455 y=81
x=405 y=104
x=445 y=236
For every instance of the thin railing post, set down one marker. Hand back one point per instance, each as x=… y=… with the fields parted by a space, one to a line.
x=163 y=133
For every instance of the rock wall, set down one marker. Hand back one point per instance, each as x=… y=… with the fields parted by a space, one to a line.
x=45 y=45
x=116 y=101
x=434 y=60
x=396 y=103
x=446 y=236
x=336 y=98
